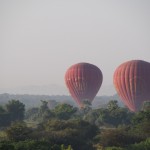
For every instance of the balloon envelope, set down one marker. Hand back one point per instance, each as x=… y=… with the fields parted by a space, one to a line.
x=132 y=82
x=83 y=81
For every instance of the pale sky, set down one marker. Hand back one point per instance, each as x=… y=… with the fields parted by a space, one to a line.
x=41 y=39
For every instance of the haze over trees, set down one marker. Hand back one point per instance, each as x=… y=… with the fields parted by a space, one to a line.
x=66 y=127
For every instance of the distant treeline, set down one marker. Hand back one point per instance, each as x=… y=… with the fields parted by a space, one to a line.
x=35 y=100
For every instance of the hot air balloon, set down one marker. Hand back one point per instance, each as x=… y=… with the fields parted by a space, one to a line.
x=83 y=81
x=132 y=82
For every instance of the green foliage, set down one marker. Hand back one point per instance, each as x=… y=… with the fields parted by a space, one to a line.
x=32 y=145
x=87 y=106
x=142 y=129
x=66 y=147
x=3 y=136
x=2 y=110
x=18 y=131
x=32 y=114
x=48 y=114
x=140 y=117
x=144 y=145
x=136 y=132
x=64 y=111
x=118 y=137
x=146 y=106
x=58 y=129
x=16 y=109
x=91 y=117
x=76 y=133
x=6 y=146
x=102 y=115
x=41 y=114
x=114 y=148
x=44 y=106
x=112 y=105
x=84 y=128
x=141 y=124
x=45 y=113
x=5 y=119
x=117 y=115
x=111 y=116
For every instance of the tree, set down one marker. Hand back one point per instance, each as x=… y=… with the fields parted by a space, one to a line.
x=44 y=106
x=32 y=145
x=86 y=107
x=112 y=105
x=91 y=116
x=45 y=113
x=77 y=133
x=52 y=104
x=5 y=119
x=64 y=111
x=113 y=115
x=6 y=146
x=118 y=137
x=141 y=124
x=141 y=116
x=2 y=110
x=18 y=131
x=144 y=145
x=102 y=116
x=146 y=106
x=32 y=113
x=16 y=109
x=118 y=116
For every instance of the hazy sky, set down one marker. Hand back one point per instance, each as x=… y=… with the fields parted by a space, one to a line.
x=40 y=39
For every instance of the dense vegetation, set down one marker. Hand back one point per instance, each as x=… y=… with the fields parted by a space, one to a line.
x=65 y=127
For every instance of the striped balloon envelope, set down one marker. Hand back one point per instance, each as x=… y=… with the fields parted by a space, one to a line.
x=132 y=82
x=83 y=81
